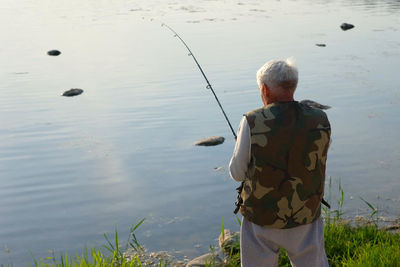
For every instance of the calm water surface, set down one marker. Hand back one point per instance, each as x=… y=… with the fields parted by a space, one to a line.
x=72 y=169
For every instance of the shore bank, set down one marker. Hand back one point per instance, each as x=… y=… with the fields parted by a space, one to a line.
x=358 y=242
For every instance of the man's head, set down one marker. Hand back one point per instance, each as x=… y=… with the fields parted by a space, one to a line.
x=277 y=80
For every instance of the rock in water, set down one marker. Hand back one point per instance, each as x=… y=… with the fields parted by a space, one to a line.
x=73 y=92
x=53 y=53
x=314 y=104
x=230 y=242
x=208 y=259
x=210 y=141
x=346 y=26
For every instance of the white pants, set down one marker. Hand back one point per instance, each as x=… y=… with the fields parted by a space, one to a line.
x=260 y=246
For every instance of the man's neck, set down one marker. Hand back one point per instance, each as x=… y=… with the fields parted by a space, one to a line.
x=280 y=99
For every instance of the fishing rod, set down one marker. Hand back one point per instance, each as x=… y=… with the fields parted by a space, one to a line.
x=202 y=72
x=239 y=200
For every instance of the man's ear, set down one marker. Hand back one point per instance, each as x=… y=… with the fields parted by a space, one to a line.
x=265 y=90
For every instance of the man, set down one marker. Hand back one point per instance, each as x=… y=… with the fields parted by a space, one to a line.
x=280 y=157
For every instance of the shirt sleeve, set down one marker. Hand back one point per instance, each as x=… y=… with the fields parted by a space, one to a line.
x=241 y=156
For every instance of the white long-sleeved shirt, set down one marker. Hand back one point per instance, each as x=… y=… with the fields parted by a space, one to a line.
x=240 y=160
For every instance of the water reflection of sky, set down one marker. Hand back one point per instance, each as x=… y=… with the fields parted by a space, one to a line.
x=72 y=168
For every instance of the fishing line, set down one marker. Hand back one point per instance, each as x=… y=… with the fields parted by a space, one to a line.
x=202 y=72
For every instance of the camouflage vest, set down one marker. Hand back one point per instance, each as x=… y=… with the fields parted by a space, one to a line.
x=285 y=181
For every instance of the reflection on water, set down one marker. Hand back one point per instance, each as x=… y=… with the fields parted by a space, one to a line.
x=73 y=168
x=380 y=6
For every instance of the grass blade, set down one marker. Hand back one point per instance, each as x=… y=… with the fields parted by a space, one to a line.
x=137 y=225
x=374 y=210
x=223 y=229
x=239 y=221
x=110 y=246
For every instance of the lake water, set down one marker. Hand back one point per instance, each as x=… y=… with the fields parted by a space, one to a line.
x=72 y=169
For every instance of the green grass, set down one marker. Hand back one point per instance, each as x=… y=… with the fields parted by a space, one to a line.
x=361 y=246
x=346 y=245
x=95 y=257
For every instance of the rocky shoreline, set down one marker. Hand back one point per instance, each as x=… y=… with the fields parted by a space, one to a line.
x=229 y=245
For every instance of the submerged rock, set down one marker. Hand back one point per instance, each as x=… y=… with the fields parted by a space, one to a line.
x=219 y=169
x=210 y=141
x=208 y=259
x=314 y=104
x=230 y=242
x=346 y=26
x=392 y=227
x=152 y=258
x=53 y=53
x=73 y=92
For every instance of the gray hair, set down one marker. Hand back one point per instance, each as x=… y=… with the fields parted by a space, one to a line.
x=278 y=75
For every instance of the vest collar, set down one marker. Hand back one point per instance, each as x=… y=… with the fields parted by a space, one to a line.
x=280 y=103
